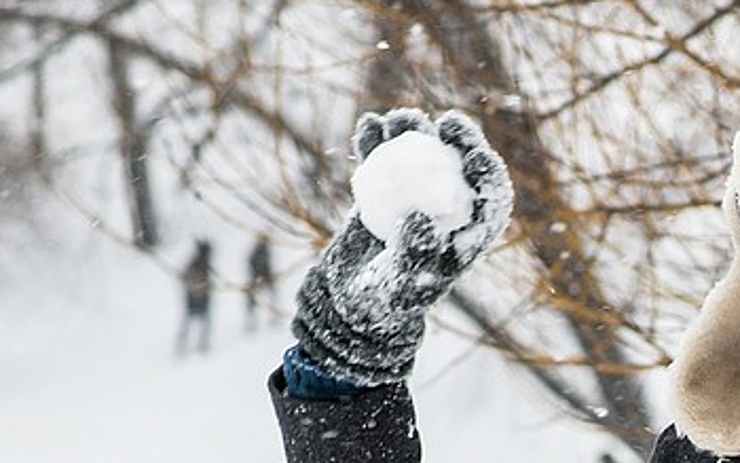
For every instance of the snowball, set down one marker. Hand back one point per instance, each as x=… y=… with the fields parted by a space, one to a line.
x=414 y=171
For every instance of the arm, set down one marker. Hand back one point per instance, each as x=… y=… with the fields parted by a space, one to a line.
x=341 y=394
x=376 y=425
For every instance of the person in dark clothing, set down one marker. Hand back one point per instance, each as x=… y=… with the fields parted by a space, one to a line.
x=340 y=393
x=260 y=280
x=197 y=283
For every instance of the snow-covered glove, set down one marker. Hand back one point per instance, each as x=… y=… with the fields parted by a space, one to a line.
x=361 y=309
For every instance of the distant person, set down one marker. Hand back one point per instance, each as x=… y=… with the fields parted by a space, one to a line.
x=198 y=285
x=260 y=280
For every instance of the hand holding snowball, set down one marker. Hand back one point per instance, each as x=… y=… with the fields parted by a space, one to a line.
x=430 y=197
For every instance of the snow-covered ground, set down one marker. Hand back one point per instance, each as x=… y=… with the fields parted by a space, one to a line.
x=88 y=373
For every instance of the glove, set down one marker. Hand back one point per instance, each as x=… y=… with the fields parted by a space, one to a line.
x=361 y=309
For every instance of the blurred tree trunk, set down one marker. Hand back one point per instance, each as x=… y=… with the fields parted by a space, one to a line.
x=474 y=57
x=133 y=148
x=38 y=105
x=386 y=81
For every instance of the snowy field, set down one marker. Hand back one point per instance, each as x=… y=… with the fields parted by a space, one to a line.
x=88 y=373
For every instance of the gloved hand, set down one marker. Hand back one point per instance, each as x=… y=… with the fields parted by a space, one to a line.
x=361 y=309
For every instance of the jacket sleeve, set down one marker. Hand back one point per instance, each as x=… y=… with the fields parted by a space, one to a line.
x=670 y=447
x=378 y=425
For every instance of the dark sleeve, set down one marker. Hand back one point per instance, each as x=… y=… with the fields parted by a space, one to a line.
x=378 y=425
x=672 y=448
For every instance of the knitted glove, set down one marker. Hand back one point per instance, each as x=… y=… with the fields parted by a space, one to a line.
x=361 y=309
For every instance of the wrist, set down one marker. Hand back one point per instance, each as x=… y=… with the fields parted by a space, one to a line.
x=306 y=379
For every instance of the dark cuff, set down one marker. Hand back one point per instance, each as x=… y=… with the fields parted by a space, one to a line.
x=377 y=426
x=305 y=379
x=670 y=447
